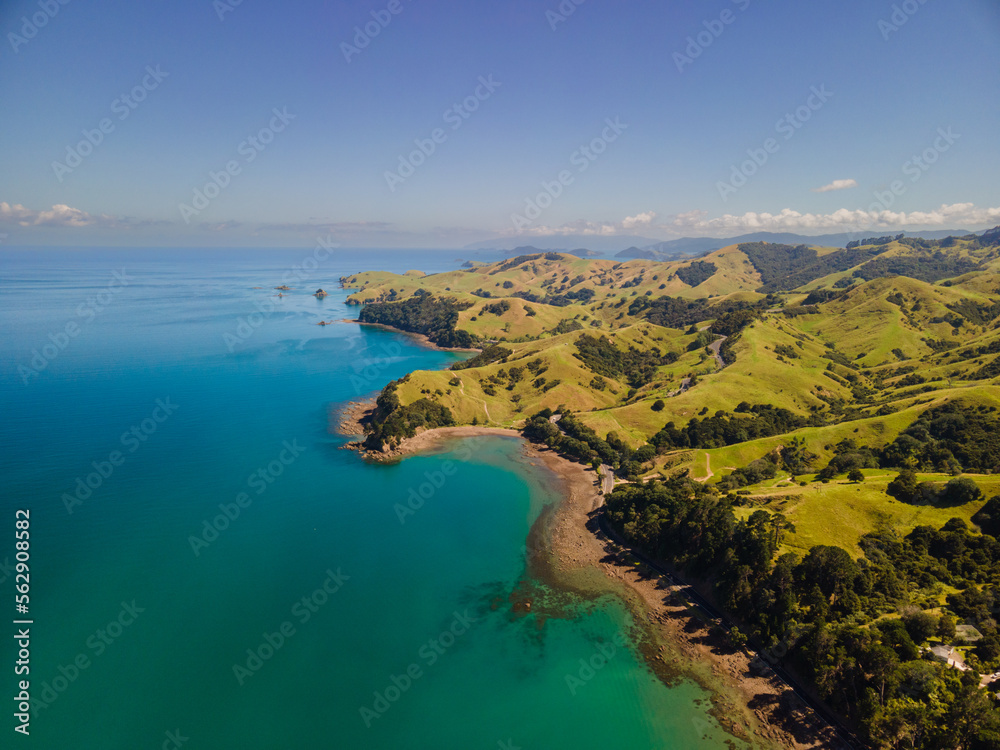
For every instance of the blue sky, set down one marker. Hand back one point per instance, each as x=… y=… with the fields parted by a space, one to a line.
x=702 y=142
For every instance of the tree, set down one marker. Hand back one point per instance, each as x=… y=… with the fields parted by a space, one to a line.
x=920 y=625
x=856 y=475
x=904 y=486
x=658 y=405
x=946 y=628
x=780 y=524
x=988 y=517
x=737 y=638
x=959 y=492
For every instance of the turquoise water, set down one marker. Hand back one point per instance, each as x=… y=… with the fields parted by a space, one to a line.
x=144 y=611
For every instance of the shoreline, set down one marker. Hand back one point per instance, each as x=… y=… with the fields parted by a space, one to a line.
x=419 y=337
x=761 y=711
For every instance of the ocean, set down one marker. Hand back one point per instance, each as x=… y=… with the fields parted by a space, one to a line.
x=209 y=569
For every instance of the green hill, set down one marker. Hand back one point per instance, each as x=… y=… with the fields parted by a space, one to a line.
x=813 y=432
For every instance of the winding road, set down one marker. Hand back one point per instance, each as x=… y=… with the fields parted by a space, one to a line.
x=714 y=347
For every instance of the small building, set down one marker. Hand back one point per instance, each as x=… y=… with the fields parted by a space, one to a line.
x=950 y=656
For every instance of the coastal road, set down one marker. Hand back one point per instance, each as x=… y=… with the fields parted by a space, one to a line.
x=607 y=479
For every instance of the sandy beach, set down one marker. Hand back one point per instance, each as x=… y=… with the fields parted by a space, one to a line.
x=761 y=711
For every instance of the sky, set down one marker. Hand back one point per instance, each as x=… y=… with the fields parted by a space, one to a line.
x=411 y=123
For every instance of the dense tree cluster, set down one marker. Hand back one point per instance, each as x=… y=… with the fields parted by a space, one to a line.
x=390 y=422
x=977 y=313
x=558 y=300
x=848 y=456
x=872 y=241
x=422 y=313
x=496 y=308
x=697 y=272
x=674 y=312
x=929 y=268
x=949 y=437
x=578 y=441
x=849 y=627
x=774 y=261
x=836 y=262
x=489 y=355
x=749 y=422
x=733 y=322
x=635 y=366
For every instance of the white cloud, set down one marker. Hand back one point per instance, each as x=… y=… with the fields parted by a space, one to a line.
x=837 y=185
x=643 y=219
x=954 y=216
x=628 y=225
x=59 y=215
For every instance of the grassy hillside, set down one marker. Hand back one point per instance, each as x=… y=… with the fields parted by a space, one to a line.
x=864 y=357
x=814 y=432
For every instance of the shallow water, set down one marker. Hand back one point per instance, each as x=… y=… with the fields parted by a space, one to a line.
x=202 y=531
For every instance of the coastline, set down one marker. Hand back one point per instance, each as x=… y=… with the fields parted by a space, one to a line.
x=418 y=337
x=761 y=711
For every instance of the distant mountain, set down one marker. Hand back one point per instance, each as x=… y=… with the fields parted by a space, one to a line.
x=563 y=243
x=628 y=247
x=646 y=253
x=696 y=246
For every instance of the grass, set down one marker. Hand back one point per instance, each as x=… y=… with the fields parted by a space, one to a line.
x=841 y=512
